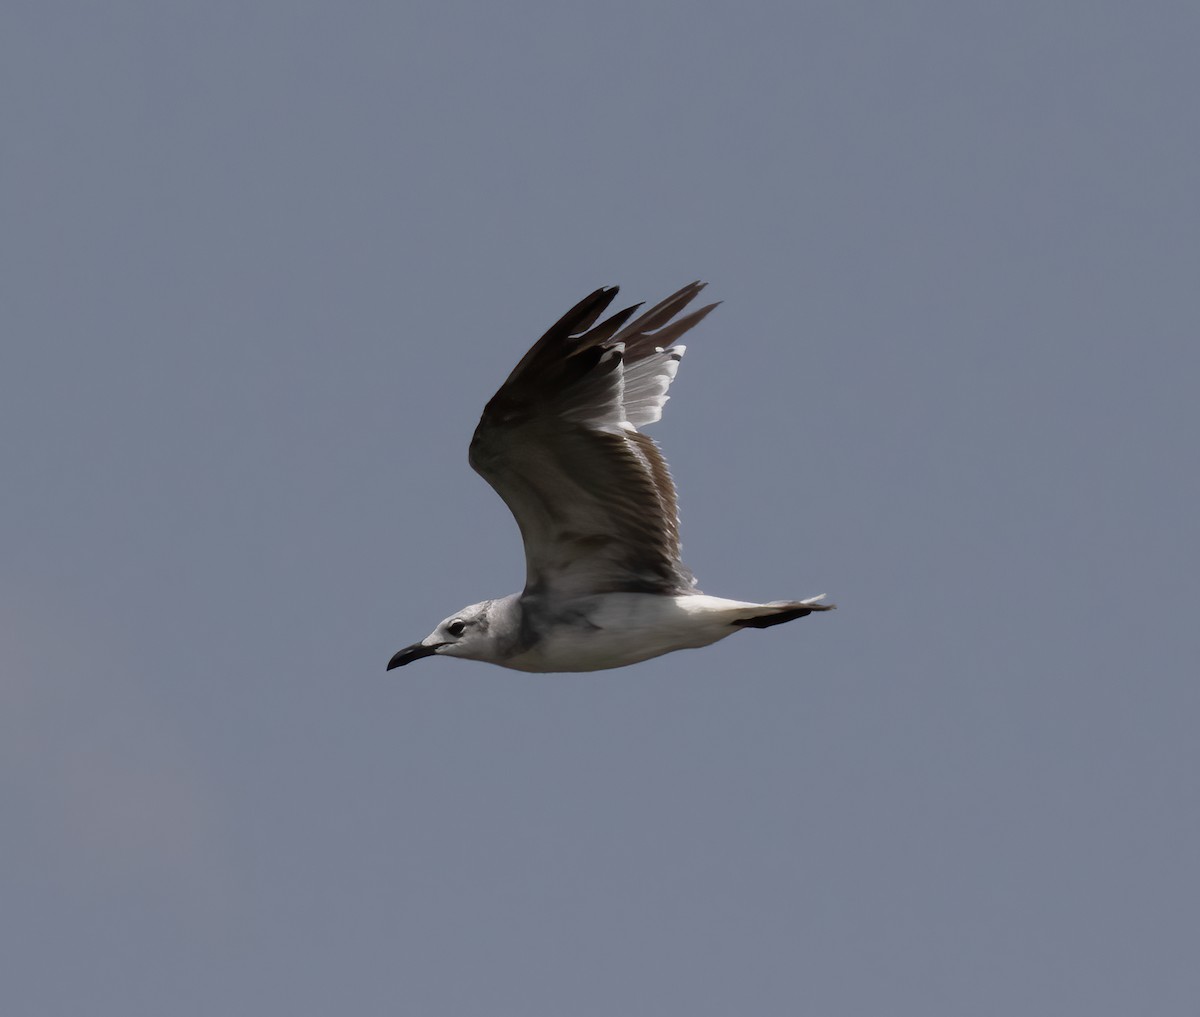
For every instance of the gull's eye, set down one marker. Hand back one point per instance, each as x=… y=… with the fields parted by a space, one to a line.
x=457 y=627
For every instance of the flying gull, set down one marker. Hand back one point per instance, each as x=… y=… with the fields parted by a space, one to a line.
x=561 y=443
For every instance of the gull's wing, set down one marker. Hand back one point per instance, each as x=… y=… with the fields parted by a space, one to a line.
x=559 y=443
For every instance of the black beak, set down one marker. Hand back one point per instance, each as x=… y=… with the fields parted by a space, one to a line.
x=411 y=653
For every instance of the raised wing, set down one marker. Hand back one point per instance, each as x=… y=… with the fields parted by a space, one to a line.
x=559 y=443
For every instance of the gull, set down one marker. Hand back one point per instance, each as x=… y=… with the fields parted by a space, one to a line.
x=561 y=443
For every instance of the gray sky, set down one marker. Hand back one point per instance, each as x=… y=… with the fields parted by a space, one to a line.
x=262 y=266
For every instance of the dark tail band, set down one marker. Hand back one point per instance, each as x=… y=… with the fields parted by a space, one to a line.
x=784 y=613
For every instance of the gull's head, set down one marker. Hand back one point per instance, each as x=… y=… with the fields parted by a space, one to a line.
x=463 y=634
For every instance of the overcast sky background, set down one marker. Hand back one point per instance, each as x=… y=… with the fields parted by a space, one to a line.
x=263 y=264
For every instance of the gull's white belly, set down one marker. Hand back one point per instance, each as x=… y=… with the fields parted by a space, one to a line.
x=614 y=629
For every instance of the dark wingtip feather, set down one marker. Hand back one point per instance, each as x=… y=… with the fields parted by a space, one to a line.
x=660 y=314
x=576 y=321
x=606 y=329
x=659 y=331
x=665 y=336
x=583 y=315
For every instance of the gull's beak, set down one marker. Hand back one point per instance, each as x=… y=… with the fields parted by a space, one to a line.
x=411 y=653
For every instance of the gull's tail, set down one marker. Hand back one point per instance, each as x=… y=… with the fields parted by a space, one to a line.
x=779 y=611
